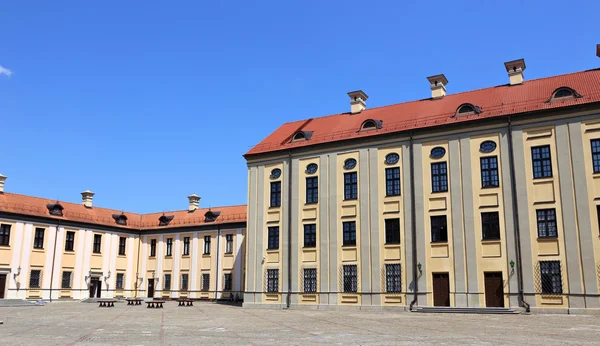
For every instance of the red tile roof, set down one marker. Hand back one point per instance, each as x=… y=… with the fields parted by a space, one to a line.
x=35 y=206
x=494 y=102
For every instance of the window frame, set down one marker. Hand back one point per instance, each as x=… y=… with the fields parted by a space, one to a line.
x=350 y=186
x=70 y=241
x=122 y=245
x=392 y=182
x=39 y=278
x=442 y=228
x=543 y=225
x=152 y=247
x=275 y=194
x=349 y=233
x=392 y=234
x=185 y=282
x=69 y=281
x=38 y=241
x=120 y=284
x=273 y=238
x=542 y=162
x=228 y=244
x=350 y=278
x=439 y=180
x=227 y=282
x=169 y=248
x=312 y=190
x=205 y=282
x=310 y=235
x=595 y=150
x=490 y=221
x=167 y=282
x=186 y=246
x=549 y=279
x=272 y=280
x=490 y=179
x=5 y=234
x=310 y=280
x=207 y=245
x=393 y=278
x=97 y=248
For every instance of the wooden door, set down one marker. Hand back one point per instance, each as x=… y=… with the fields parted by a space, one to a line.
x=494 y=290
x=93 y=282
x=150 y=288
x=441 y=289
x=2 y=285
x=98 y=288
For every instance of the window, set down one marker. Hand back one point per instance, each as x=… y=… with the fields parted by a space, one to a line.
x=272 y=280
x=349 y=229
x=4 y=235
x=66 y=280
x=596 y=155
x=35 y=278
x=439 y=232
x=122 y=243
x=564 y=94
x=207 y=245
x=229 y=243
x=392 y=231
x=598 y=214
x=311 y=168
x=369 y=125
x=551 y=279
x=276 y=173
x=542 y=163
x=487 y=146
x=169 y=247
x=439 y=177
x=392 y=159
x=205 y=282
x=152 y=247
x=186 y=246
x=312 y=190
x=299 y=136
x=489 y=171
x=70 y=241
x=392 y=181
x=167 y=284
x=273 y=238
x=490 y=226
x=349 y=163
x=119 y=281
x=393 y=280
x=38 y=241
x=275 y=194
x=546 y=223
x=184 y=282
x=350 y=278
x=350 y=186
x=310 y=235
x=468 y=109
x=227 y=282
x=437 y=152
x=97 y=243
x=310 y=280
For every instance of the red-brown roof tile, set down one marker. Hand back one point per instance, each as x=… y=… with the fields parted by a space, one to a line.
x=495 y=101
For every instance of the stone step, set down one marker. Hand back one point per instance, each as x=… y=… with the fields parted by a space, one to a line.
x=465 y=310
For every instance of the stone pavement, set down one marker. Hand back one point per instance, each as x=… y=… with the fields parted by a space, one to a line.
x=206 y=323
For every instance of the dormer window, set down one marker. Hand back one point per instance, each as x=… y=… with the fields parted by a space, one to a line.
x=211 y=216
x=371 y=125
x=563 y=93
x=302 y=136
x=55 y=209
x=120 y=219
x=165 y=220
x=468 y=109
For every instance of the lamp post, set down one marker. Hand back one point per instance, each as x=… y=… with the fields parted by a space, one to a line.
x=17 y=273
x=512 y=267
x=419 y=266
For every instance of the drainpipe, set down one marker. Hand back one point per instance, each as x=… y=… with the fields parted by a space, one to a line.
x=516 y=218
x=289 y=207
x=218 y=274
x=137 y=267
x=53 y=258
x=413 y=223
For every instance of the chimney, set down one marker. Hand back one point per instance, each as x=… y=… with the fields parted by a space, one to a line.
x=86 y=198
x=358 y=101
x=515 y=70
x=194 y=202
x=598 y=50
x=438 y=86
x=2 y=180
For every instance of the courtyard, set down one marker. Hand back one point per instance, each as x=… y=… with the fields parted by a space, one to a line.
x=209 y=324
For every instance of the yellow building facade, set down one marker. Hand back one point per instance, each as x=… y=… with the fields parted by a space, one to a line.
x=60 y=250
x=487 y=198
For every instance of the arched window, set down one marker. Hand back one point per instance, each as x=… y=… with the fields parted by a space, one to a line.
x=563 y=93
x=299 y=136
x=467 y=109
x=302 y=136
x=371 y=124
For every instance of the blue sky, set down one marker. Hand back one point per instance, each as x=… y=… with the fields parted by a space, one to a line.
x=145 y=102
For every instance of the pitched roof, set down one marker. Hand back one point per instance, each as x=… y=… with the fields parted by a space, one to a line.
x=496 y=101
x=35 y=206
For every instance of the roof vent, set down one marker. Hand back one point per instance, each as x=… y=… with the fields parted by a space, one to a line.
x=194 y=202
x=515 y=70
x=438 y=86
x=86 y=198
x=358 y=101
x=2 y=180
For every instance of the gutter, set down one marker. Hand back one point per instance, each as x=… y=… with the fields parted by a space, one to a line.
x=137 y=267
x=289 y=209
x=413 y=223
x=516 y=218
x=54 y=257
x=218 y=274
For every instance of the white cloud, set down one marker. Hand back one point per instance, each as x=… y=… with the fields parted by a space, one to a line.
x=5 y=71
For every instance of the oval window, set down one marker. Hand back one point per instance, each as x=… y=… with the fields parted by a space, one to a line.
x=392 y=158
x=276 y=173
x=487 y=146
x=312 y=168
x=350 y=163
x=438 y=152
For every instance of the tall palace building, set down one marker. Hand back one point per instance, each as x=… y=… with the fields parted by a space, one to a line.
x=486 y=198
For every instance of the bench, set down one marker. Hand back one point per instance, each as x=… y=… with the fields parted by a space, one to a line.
x=134 y=301
x=185 y=302
x=155 y=304
x=108 y=303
